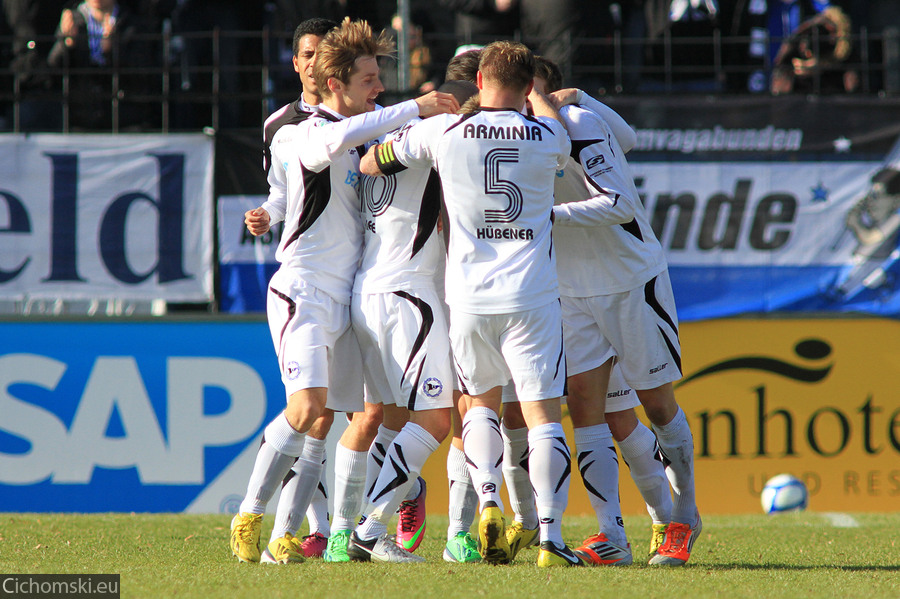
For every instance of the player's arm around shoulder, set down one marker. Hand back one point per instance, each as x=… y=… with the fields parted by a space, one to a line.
x=409 y=147
x=625 y=135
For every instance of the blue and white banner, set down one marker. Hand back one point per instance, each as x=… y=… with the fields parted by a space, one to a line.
x=126 y=416
x=106 y=216
x=757 y=237
x=246 y=263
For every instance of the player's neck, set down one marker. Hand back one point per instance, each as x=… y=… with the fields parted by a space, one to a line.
x=502 y=98
x=311 y=98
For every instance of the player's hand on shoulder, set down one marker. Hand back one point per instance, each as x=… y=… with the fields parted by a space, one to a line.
x=257 y=221
x=436 y=102
x=565 y=97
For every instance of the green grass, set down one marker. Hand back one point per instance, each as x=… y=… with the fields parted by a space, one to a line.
x=792 y=555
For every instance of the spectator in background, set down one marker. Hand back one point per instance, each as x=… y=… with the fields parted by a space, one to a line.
x=814 y=58
x=483 y=21
x=100 y=35
x=195 y=20
x=548 y=27
x=32 y=23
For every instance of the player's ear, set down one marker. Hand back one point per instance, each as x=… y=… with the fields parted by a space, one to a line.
x=296 y=65
x=529 y=87
x=478 y=80
x=335 y=85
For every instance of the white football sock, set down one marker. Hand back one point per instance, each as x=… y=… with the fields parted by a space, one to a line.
x=280 y=448
x=640 y=452
x=298 y=489
x=404 y=461
x=515 y=475
x=463 y=499
x=377 y=451
x=677 y=446
x=317 y=513
x=550 y=468
x=599 y=466
x=483 y=446
x=349 y=487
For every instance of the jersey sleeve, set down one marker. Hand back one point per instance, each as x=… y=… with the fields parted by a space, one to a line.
x=276 y=203
x=561 y=137
x=605 y=171
x=328 y=139
x=625 y=135
x=415 y=146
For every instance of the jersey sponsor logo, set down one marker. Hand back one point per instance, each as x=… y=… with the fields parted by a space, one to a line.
x=432 y=387
x=522 y=132
x=504 y=233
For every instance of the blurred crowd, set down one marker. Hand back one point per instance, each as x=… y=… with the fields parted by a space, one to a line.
x=147 y=49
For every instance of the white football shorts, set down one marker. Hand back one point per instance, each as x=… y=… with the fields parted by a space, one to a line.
x=405 y=347
x=525 y=347
x=314 y=342
x=619 y=396
x=639 y=326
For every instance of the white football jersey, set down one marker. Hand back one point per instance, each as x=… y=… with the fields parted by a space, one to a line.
x=603 y=238
x=319 y=159
x=497 y=168
x=402 y=248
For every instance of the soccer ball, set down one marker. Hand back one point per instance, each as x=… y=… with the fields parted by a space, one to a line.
x=784 y=493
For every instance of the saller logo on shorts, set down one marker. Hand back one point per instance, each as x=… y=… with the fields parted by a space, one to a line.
x=432 y=387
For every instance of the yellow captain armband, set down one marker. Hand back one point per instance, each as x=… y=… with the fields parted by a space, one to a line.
x=386 y=160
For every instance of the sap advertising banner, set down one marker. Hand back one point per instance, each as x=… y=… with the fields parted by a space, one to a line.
x=130 y=416
x=106 y=216
x=777 y=236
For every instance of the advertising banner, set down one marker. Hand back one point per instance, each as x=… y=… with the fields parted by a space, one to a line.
x=128 y=416
x=167 y=417
x=106 y=216
x=246 y=263
x=814 y=398
x=755 y=237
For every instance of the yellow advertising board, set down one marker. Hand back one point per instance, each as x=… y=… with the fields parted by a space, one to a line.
x=819 y=399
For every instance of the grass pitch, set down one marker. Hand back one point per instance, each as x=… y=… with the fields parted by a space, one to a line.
x=187 y=556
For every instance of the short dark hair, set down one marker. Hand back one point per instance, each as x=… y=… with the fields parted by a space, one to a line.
x=548 y=70
x=461 y=89
x=463 y=66
x=314 y=26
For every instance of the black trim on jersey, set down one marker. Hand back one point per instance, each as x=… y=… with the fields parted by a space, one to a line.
x=292 y=115
x=317 y=194
x=632 y=227
x=427 y=322
x=577 y=146
x=292 y=310
x=429 y=213
x=580 y=144
x=535 y=120
x=461 y=120
x=650 y=298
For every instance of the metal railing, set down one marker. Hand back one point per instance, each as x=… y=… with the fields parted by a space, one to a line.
x=185 y=82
